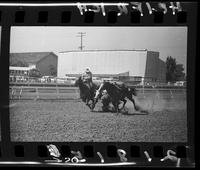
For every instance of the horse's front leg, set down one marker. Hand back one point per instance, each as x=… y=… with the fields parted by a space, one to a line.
x=133 y=101
x=87 y=103
x=123 y=104
x=116 y=107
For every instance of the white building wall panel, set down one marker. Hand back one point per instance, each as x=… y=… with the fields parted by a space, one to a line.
x=102 y=62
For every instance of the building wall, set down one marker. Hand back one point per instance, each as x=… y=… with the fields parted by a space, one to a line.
x=137 y=63
x=32 y=65
x=102 y=62
x=45 y=64
x=19 y=71
x=155 y=67
x=162 y=71
x=152 y=62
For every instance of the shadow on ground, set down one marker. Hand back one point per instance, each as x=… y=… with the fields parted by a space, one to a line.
x=124 y=112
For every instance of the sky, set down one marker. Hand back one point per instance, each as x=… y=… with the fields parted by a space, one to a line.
x=168 y=41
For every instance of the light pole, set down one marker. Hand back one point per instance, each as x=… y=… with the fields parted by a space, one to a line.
x=81 y=34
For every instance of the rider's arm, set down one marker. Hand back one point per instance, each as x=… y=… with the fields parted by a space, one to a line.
x=98 y=91
x=100 y=87
x=83 y=76
x=89 y=75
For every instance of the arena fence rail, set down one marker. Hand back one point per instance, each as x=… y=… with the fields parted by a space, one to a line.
x=72 y=93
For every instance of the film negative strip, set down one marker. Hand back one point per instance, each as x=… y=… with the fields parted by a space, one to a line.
x=98 y=84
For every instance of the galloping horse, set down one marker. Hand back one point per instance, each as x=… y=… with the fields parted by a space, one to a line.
x=87 y=93
x=117 y=94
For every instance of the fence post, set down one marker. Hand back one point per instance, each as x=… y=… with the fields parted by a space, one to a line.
x=171 y=94
x=37 y=93
x=20 y=93
x=143 y=90
x=57 y=91
x=184 y=93
x=12 y=92
x=158 y=94
x=77 y=93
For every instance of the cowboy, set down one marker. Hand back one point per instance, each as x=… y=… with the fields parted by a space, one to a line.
x=105 y=99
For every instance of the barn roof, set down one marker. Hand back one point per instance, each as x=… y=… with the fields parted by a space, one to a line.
x=32 y=57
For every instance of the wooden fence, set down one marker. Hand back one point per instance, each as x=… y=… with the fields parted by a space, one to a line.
x=28 y=92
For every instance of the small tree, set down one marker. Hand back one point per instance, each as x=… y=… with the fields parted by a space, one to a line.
x=174 y=71
x=171 y=69
x=180 y=75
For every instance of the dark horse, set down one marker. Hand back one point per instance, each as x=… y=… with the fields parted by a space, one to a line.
x=87 y=93
x=117 y=94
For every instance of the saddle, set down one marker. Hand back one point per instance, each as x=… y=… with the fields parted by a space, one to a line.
x=89 y=84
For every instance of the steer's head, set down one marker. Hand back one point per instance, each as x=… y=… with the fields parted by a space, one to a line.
x=133 y=91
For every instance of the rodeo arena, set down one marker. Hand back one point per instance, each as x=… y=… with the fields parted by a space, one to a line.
x=137 y=105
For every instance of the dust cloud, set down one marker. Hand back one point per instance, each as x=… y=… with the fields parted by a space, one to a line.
x=151 y=103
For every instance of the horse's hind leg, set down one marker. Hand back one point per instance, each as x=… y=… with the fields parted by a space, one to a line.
x=116 y=107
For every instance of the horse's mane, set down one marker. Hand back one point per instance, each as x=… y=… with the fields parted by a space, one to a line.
x=81 y=81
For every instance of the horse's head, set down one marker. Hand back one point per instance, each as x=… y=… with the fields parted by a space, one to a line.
x=78 y=82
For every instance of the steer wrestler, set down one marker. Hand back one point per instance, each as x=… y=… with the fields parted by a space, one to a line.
x=105 y=99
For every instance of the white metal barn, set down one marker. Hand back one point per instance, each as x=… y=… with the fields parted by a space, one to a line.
x=139 y=63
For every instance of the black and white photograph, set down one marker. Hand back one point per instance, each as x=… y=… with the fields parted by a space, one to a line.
x=98 y=84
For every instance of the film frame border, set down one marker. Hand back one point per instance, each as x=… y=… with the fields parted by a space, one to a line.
x=52 y=16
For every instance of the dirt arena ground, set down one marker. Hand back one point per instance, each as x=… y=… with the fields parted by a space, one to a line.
x=71 y=120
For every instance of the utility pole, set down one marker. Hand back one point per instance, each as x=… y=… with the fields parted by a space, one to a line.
x=81 y=34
